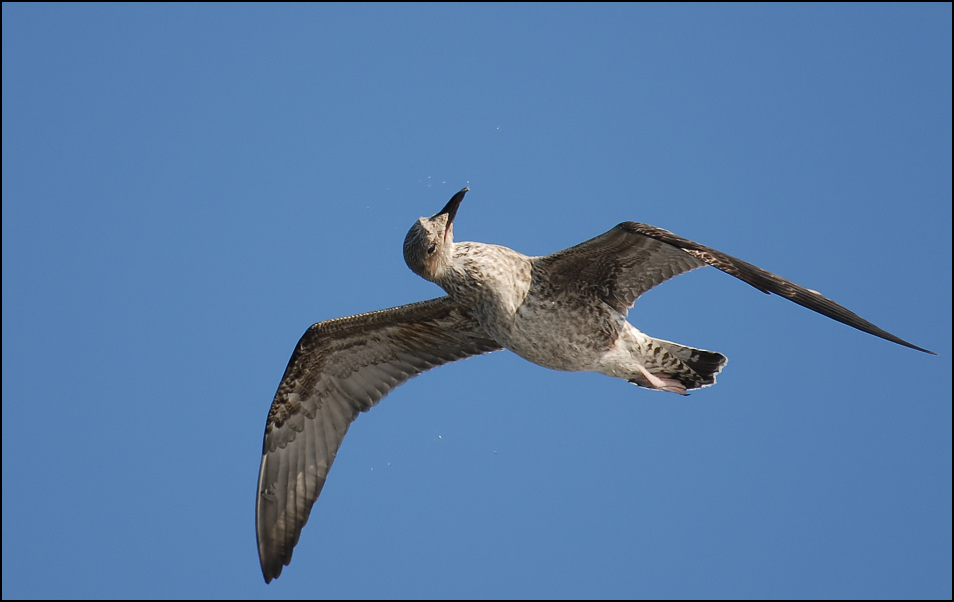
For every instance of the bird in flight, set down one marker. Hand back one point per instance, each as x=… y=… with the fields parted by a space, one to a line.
x=565 y=311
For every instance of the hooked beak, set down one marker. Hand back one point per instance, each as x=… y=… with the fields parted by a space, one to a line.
x=450 y=209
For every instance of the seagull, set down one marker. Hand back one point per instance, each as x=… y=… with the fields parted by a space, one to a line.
x=565 y=311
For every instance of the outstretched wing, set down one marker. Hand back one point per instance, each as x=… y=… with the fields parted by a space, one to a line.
x=632 y=258
x=339 y=368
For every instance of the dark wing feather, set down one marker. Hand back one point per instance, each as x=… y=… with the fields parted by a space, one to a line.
x=619 y=265
x=339 y=368
x=632 y=258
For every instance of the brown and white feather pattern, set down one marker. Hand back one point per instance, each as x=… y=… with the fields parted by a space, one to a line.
x=565 y=311
x=632 y=258
x=340 y=368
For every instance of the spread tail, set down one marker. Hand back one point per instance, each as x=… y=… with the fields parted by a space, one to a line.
x=686 y=368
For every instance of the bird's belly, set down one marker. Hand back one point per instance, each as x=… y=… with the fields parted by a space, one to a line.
x=557 y=335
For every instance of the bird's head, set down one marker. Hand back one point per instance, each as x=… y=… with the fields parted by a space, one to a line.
x=429 y=244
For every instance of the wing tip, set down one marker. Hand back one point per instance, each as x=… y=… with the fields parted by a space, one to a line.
x=269 y=575
x=272 y=565
x=912 y=346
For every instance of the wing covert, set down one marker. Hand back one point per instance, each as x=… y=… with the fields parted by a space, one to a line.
x=619 y=265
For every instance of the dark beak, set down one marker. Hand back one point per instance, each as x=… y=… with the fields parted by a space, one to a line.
x=450 y=209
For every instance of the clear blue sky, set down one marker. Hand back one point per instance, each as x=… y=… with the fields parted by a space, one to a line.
x=186 y=188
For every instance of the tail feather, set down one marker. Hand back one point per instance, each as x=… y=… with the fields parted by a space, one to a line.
x=705 y=364
x=695 y=369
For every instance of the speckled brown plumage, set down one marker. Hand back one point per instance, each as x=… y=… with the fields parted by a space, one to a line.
x=565 y=311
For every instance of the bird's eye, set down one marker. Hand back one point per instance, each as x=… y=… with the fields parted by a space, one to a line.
x=431 y=249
